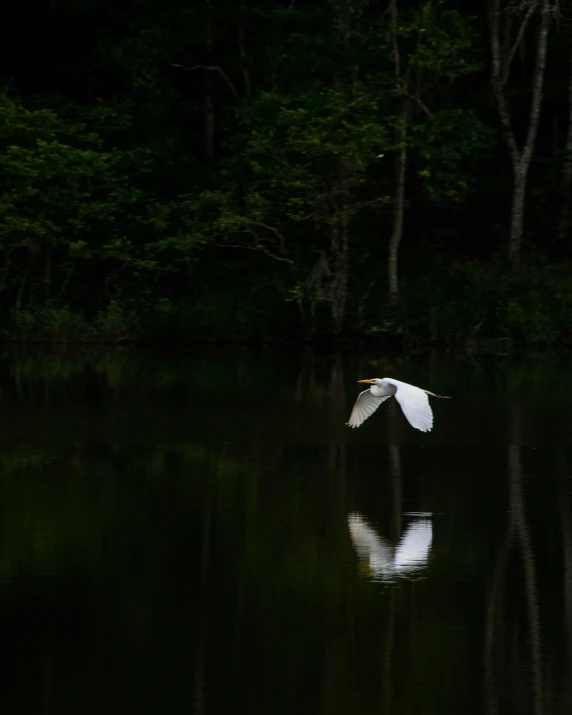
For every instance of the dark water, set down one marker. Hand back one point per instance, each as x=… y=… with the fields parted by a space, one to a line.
x=202 y=534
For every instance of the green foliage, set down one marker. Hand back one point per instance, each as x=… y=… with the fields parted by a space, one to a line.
x=62 y=191
x=313 y=149
x=115 y=324
x=56 y=191
x=468 y=302
x=116 y=223
x=48 y=324
x=442 y=40
x=450 y=142
x=307 y=157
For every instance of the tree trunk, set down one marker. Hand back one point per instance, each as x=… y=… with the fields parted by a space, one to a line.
x=23 y=283
x=242 y=51
x=5 y=271
x=209 y=103
x=339 y=284
x=65 y=282
x=339 y=248
x=517 y=216
x=502 y=57
x=48 y=277
x=398 y=213
x=566 y=182
x=400 y=167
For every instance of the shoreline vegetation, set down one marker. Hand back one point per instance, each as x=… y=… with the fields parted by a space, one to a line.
x=467 y=307
x=260 y=172
x=27 y=369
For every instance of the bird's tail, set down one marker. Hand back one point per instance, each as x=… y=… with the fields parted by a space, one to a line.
x=441 y=397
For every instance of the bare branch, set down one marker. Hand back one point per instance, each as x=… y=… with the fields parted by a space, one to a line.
x=566 y=181
x=211 y=68
x=520 y=34
x=394 y=43
x=320 y=270
x=371 y=286
x=538 y=82
x=403 y=92
x=257 y=248
x=497 y=80
x=269 y=228
x=365 y=204
x=242 y=51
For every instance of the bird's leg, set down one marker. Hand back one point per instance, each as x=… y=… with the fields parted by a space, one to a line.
x=441 y=397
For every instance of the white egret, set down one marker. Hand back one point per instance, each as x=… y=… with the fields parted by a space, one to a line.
x=383 y=560
x=412 y=400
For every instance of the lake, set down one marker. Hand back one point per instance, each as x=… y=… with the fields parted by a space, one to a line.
x=200 y=532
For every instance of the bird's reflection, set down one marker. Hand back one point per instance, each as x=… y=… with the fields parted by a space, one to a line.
x=382 y=561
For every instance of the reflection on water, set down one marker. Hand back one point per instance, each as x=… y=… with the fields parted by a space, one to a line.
x=384 y=561
x=191 y=533
x=529 y=655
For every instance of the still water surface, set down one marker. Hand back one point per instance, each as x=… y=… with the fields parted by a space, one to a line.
x=201 y=533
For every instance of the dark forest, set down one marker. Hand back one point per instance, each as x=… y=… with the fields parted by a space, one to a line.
x=250 y=170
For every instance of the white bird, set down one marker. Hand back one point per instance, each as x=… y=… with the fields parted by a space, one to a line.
x=412 y=400
x=384 y=561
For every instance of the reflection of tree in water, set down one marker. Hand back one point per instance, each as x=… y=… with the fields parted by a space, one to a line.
x=321 y=377
x=566 y=530
x=498 y=621
x=267 y=600
x=306 y=380
x=200 y=706
x=337 y=381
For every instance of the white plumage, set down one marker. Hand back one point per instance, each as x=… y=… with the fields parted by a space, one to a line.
x=412 y=400
x=388 y=562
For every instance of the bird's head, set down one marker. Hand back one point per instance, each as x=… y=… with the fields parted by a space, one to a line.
x=373 y=381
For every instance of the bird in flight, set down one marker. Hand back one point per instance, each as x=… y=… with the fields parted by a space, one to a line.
x=412 y=400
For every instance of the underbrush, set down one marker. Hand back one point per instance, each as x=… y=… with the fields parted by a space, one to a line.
x=453 y=304
x=115 y=324
x=471 y=302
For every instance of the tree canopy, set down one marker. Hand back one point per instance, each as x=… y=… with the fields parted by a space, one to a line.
x=271 y=169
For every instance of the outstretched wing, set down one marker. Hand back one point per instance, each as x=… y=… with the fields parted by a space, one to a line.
x=413 y=550
x=414 y=403
x=370 y=548
x=366 y=404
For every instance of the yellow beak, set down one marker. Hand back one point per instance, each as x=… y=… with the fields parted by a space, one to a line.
x=365 y=380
